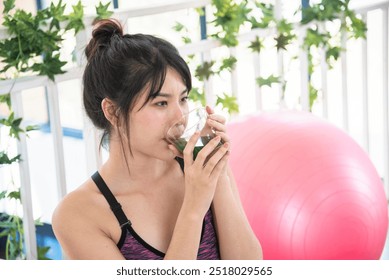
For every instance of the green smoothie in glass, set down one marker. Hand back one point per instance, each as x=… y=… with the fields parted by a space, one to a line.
x=180 y=133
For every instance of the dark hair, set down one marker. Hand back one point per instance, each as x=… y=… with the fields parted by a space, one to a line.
x=121 y=66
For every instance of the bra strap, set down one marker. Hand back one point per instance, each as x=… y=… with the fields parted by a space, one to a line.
x=113 y=203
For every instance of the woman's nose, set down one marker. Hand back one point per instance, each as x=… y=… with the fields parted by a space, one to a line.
x=178 y=114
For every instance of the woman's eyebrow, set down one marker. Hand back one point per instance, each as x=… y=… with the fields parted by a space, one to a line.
x=168 y=95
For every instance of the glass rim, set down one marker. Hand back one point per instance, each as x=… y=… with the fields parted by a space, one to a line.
x=202 y=110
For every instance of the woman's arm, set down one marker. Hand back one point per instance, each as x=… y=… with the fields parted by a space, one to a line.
x=185 y=241
x=201 y=178
x=236 y=238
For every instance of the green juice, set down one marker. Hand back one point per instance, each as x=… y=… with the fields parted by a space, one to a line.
x=181 y=143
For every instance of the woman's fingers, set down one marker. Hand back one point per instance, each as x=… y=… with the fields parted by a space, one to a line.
x=206 y=151
x=209 y=110
x=214 y=160
x=212 y=157
x=217 y=125
x=224 y=137
x=220 y=166
x=217 y=118
x=188 y=151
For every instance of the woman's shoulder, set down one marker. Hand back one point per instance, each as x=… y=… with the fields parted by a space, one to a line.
x=77 y=206
x=83 y=226
x=79 y=196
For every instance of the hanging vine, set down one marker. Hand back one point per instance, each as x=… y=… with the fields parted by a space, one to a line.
x=33 y=47
x=230 y=16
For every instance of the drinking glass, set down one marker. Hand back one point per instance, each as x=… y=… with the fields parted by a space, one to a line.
x=180 y=132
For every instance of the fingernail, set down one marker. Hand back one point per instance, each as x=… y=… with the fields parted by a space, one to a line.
x=226 y=145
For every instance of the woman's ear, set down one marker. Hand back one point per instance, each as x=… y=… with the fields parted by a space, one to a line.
x=110 y=111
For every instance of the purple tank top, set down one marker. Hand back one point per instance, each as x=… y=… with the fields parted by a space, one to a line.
x=133 y=247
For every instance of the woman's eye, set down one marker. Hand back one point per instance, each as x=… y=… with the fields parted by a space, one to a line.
x=184 y=99
x=162 y=103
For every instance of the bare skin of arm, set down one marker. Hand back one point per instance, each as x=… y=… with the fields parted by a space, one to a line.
x=236 y=238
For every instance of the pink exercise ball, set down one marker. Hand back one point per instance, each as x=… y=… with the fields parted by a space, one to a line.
x=308 y=189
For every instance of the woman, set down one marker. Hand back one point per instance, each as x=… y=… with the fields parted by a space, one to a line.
x=146 y=202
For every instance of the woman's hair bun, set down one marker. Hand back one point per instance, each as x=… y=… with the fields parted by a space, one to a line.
x=102 y=34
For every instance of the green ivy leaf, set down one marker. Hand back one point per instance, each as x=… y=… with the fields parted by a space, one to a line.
x=282 y=40
x=228 y=64
x=178 y=27
x=228 y=102
x=200 y=11
x=311 y=66
x=15 y=132
x=204 y=71
x=283 y=26
x=325 y=10
x=38 y=222
x=3 y=194
x=4 y=121
x=14 y=195
x=313 y=93
x=197 y=96
x=4 y=159
x=76 y=18
x=57 y=13
x=16 y=122
x=265 y=19
x=310 y=13
x=357 y=26
x=257 y=23
x=229 y=16
x=42 y=251
x=32 y=127
x=52 y=65
x=6 y=98
x=13 y=124
x=186 y=40
x=333 y=53
x=8 y=6
x=268 y=81
x=8 y=225
x=256 y=45
x=267 y=9
x=315 y=38
x=103 y=12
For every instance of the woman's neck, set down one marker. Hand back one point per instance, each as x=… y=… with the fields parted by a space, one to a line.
x=137 y=168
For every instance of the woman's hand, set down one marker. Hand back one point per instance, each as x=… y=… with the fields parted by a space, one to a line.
x=218 y=124
x=202 y=174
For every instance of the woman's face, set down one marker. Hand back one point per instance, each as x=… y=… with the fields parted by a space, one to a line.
x=148 y=125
